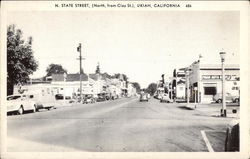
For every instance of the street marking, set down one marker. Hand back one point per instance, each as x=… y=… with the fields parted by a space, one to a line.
x=209 y=147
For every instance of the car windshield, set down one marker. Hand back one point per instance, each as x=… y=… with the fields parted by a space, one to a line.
x=13 y=97
x=59 y=97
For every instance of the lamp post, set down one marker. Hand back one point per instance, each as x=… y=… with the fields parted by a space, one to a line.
x=224 y=109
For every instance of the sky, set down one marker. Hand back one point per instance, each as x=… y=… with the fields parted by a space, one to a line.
x=141 y=44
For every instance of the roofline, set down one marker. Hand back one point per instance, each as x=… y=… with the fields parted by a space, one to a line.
x=219 y=69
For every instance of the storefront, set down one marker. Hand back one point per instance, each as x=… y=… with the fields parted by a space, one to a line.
x=205 y=81
x=179 y=83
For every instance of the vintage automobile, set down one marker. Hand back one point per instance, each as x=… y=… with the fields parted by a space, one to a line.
x=232 y=136
x=101 y=97
x=165 y=98
x=20 y=103
x=144 y=97
x=114 y=96
x=229 y=98
x=64 y=101
x=43 y=101
x=89 y=99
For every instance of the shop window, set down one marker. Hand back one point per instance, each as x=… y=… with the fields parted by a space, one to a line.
x=210 y=90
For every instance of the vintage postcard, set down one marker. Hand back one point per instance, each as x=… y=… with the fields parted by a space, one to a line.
x=125 y=79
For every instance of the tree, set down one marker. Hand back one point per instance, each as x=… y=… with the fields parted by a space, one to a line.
x=106 y=75
x=120 y=75
x=20 y=59
x=55 y=69
x=137 y=86
x=151 y=89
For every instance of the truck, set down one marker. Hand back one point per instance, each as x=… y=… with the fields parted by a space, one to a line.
x=42 y=94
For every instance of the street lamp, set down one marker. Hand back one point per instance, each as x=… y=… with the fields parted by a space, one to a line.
x=224 y=109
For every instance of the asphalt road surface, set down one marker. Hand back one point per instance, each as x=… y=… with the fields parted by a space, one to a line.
x=123 y=125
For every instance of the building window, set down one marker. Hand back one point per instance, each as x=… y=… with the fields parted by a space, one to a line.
x=210 y=90
x=181 y=88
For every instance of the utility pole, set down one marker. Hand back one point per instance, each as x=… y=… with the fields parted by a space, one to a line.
x=187 y=84
x=79 y=49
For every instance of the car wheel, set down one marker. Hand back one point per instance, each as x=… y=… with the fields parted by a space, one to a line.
x=20 y=110
x=219 y=101
x=236 y=100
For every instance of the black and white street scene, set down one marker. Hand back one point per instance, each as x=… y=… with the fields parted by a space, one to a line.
x=123 y=81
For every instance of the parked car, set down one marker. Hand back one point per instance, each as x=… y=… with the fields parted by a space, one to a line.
x=20 y=104
x=232 y=136
x=44 y=101
x=144 y=97
x=63 y=101
x=101 y=97
x=114 y=96
x=89 y=99
x=229 y=98
x=165 y=98
x=158 y=96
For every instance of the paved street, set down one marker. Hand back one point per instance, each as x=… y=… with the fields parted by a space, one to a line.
x=120 y=125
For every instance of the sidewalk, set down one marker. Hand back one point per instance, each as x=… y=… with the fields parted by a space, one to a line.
x=213 y=109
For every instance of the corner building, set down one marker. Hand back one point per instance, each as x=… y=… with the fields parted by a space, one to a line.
x=205 y=81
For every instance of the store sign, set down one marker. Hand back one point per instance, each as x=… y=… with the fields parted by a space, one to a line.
x=216 y=77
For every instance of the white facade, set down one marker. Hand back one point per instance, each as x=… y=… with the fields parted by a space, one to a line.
x=131 y=90
x=179 y=84
x=180 y=91
x=205 y=81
